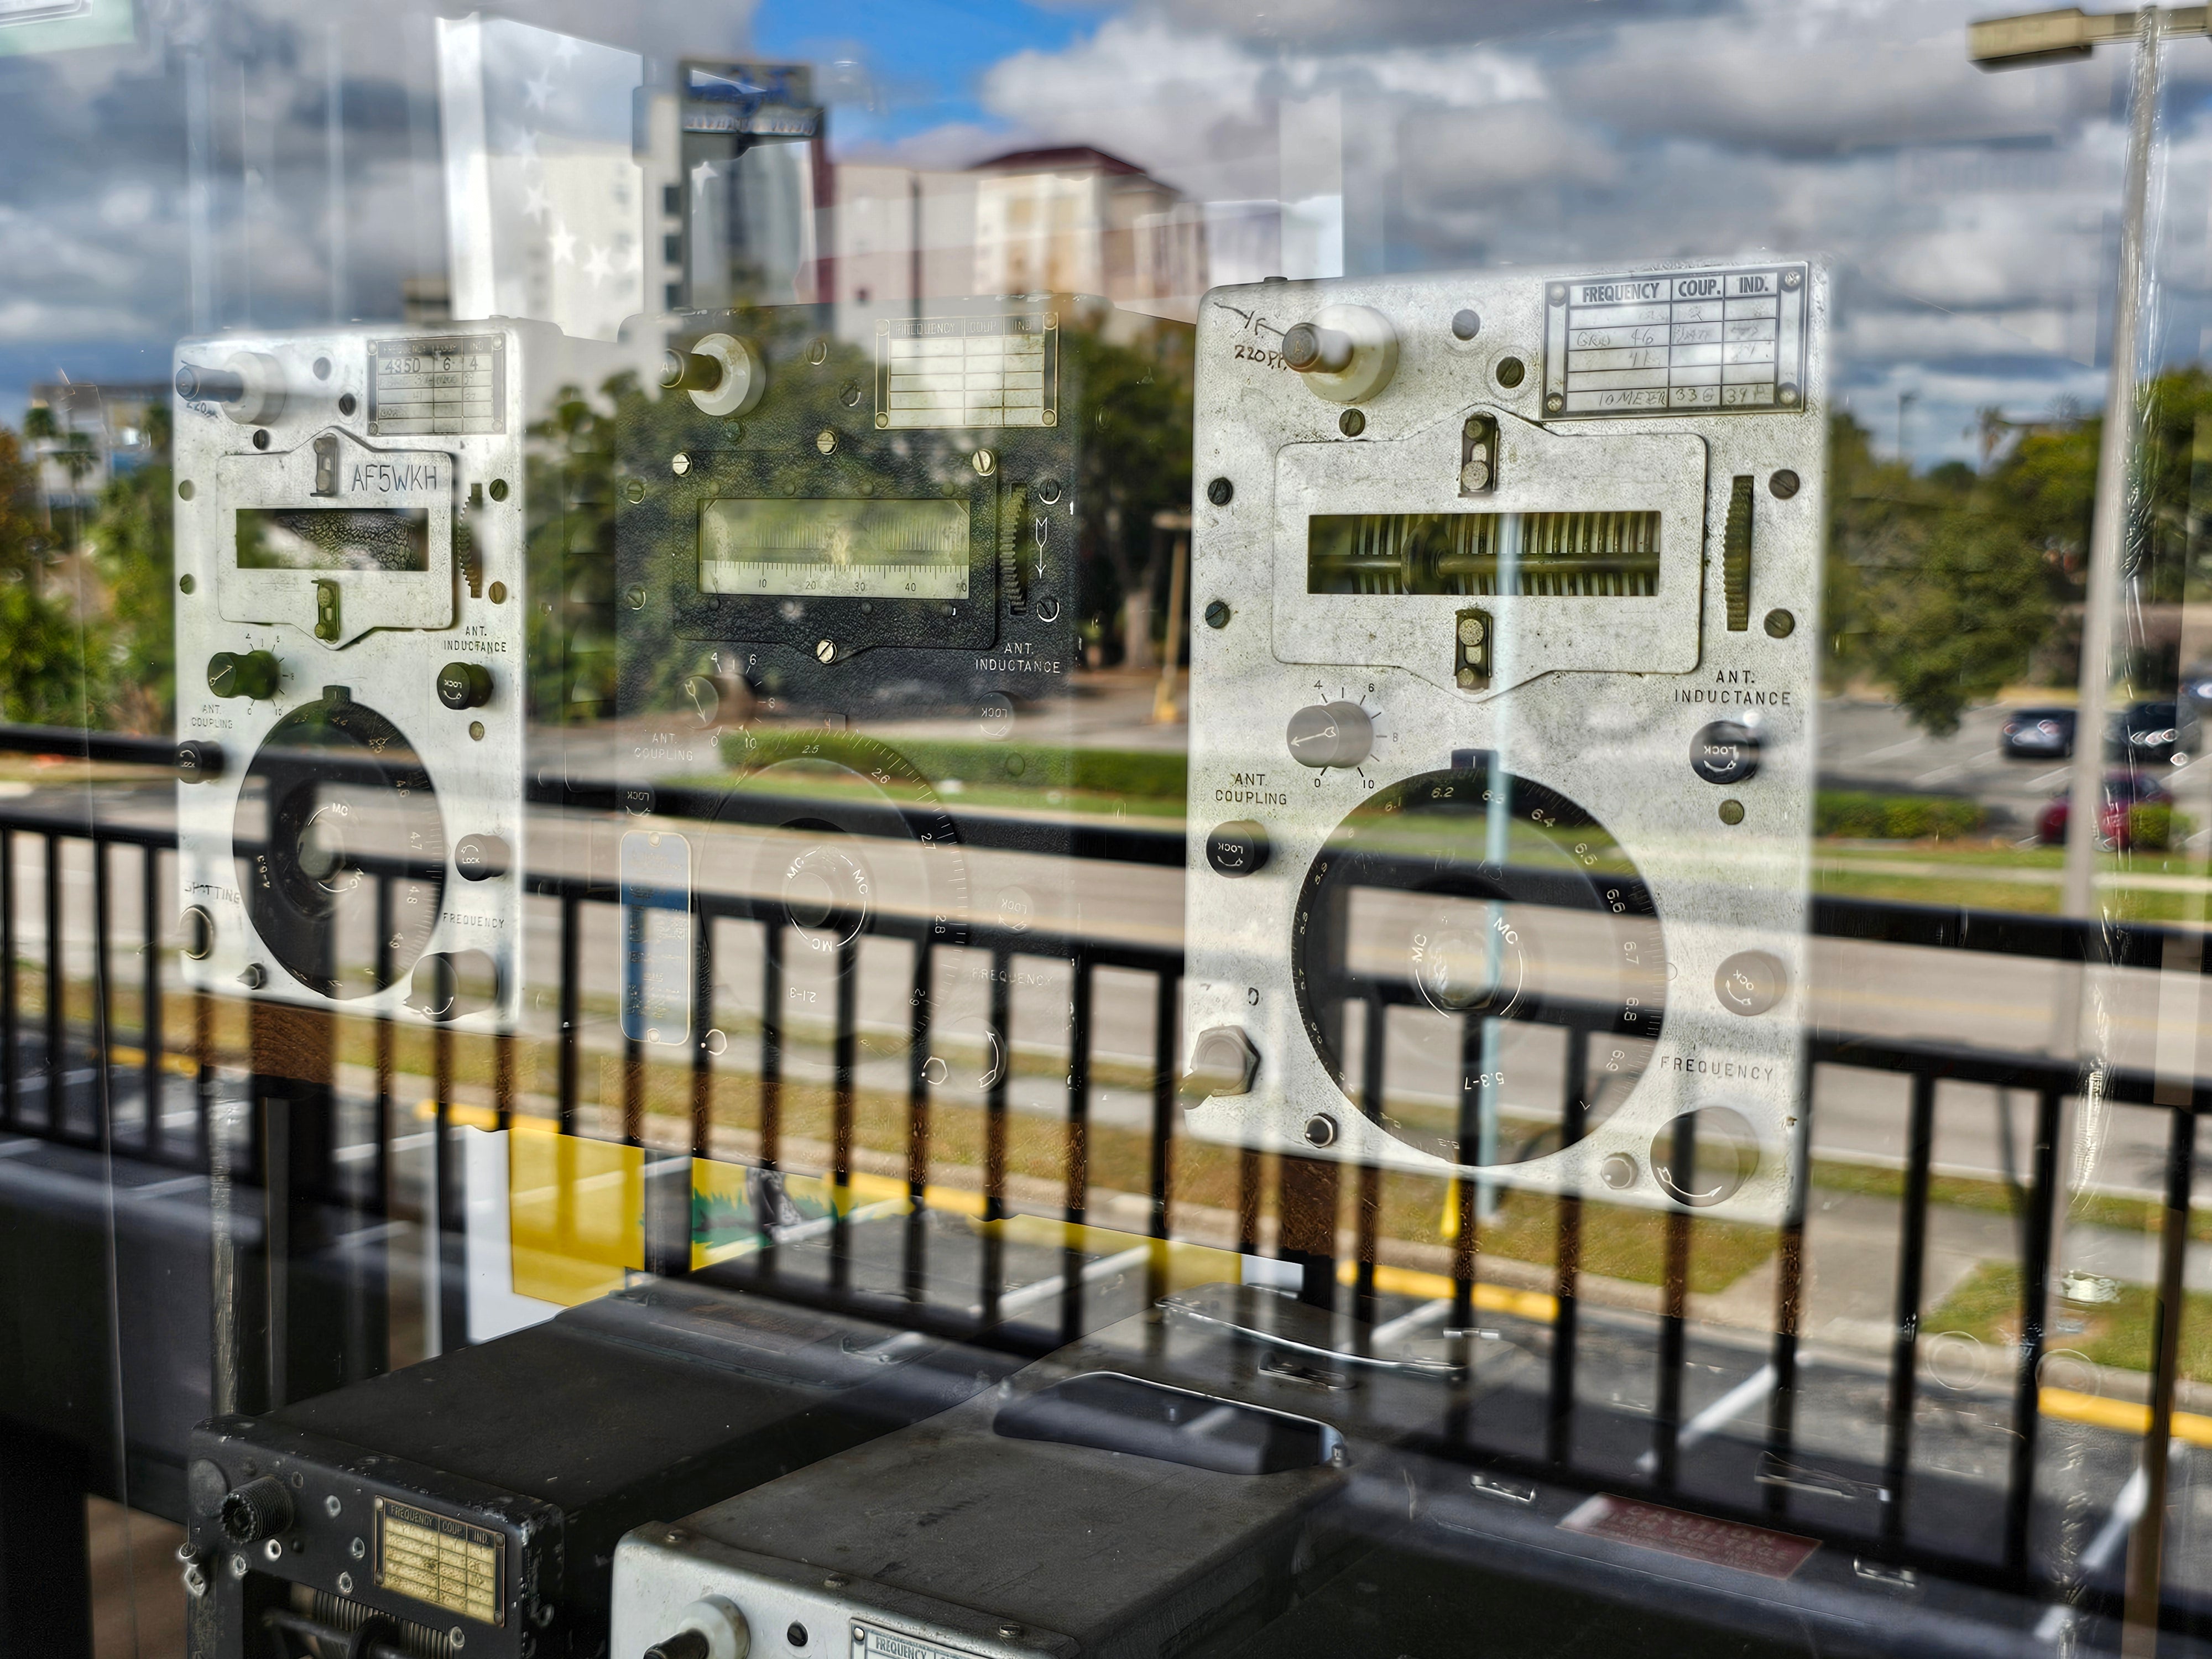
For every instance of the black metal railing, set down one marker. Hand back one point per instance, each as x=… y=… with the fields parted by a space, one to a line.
x=65 y=1076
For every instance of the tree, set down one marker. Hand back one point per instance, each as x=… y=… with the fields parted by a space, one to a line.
x=133 y=546
x=1943 y=585
x=43 y=672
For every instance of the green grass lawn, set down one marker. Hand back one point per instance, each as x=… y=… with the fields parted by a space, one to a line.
x=1987 y=1306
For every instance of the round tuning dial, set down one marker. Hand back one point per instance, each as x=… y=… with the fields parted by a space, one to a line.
x=1330 y=734
x=250 y=674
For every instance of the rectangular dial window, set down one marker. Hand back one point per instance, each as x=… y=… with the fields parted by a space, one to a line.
x=840 y=550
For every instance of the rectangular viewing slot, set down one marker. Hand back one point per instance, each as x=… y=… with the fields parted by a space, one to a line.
x=840 y=550
x=333 y=539
x=1532 y=555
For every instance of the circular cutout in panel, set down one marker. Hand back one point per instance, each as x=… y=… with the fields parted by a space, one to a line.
x=832 y=838
x=1485 y=919
x=335 y=802
x=1703 y=1157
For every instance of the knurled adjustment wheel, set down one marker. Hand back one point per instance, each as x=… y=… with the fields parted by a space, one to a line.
x=260 y=1509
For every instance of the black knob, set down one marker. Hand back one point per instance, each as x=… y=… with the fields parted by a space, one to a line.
x=260 y=1509
x=464 y=685
x=253 y=674
x=454 y=984
x=196 y=760
x=684 y=1644
x=1725 y=752
x=214 y=385
x=690 y=371
x=481 y=858
x=1236 y=849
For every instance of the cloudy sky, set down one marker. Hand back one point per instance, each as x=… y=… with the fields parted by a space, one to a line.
x=1972 y=217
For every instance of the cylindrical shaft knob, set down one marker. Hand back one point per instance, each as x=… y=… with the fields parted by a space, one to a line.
x=260 y=1509
x=1330 y=734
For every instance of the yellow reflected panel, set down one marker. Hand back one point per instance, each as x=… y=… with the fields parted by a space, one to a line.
x=576 y=1212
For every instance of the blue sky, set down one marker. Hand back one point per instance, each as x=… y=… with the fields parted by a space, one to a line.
x=922 y=57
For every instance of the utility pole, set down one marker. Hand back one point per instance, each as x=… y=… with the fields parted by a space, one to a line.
x=1905 y=400
x=2051 y=37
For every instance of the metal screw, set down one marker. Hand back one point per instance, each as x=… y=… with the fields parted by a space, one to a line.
x=818 y=351
x=1321 y=1129
x=1783 y=483
x=635 y=489
x=1618 y=1172
x=679 y=463
x=1788 y=394
x=457 y=1637
x=1217 y=613
x=825 y=441
x=1510 y=371
x=357 y=1549
x=1554 y=404
x=1791 y=278
x=1466 y=679
x=1470 y=630
x=345 y=1583
x=238 y=1566
x=1465 y=325
x=984 y=462
x=1475 y=475
x=1220 y=492
x=1780 y=624
x=1731 y=811
x=825 y=650
x=1351 y=423
x=1010 y=1631
x=196 y=1580
x=636 y=596
x=274 y=1549
x=331 y=1506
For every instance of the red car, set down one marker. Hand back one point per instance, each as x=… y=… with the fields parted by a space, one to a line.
x=2123 y=792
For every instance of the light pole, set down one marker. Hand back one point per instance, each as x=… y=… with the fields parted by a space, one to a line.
x=1905 y=401
x=2011 y=42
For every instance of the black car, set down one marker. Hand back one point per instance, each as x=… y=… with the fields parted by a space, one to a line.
x=2157 y=730
x=2039 y=733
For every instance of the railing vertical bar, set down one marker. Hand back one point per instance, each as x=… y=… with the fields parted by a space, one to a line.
x=1075 y=1196
x=633 y=1091
x=2146 y=1547
x=704 y=1031
x=450 y=1242
x=57 y=994
x=2036 y=1228
x=385 y=1039
x=572 y=951
x=150 y=1020
x=1674 y=1317
x=1566 y=1273
x=771 y=1047
x=994 y=1132
x=1367 y=1205
x=1464 y=1192
x=11 y=1062
x=1789 y=1286
x=914 y=1265
x=1912 y=1262
x=842 y=1070
x=103 y=1009
x=1075 y=1200
x=1247 y=1200
x=1161 y=1176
